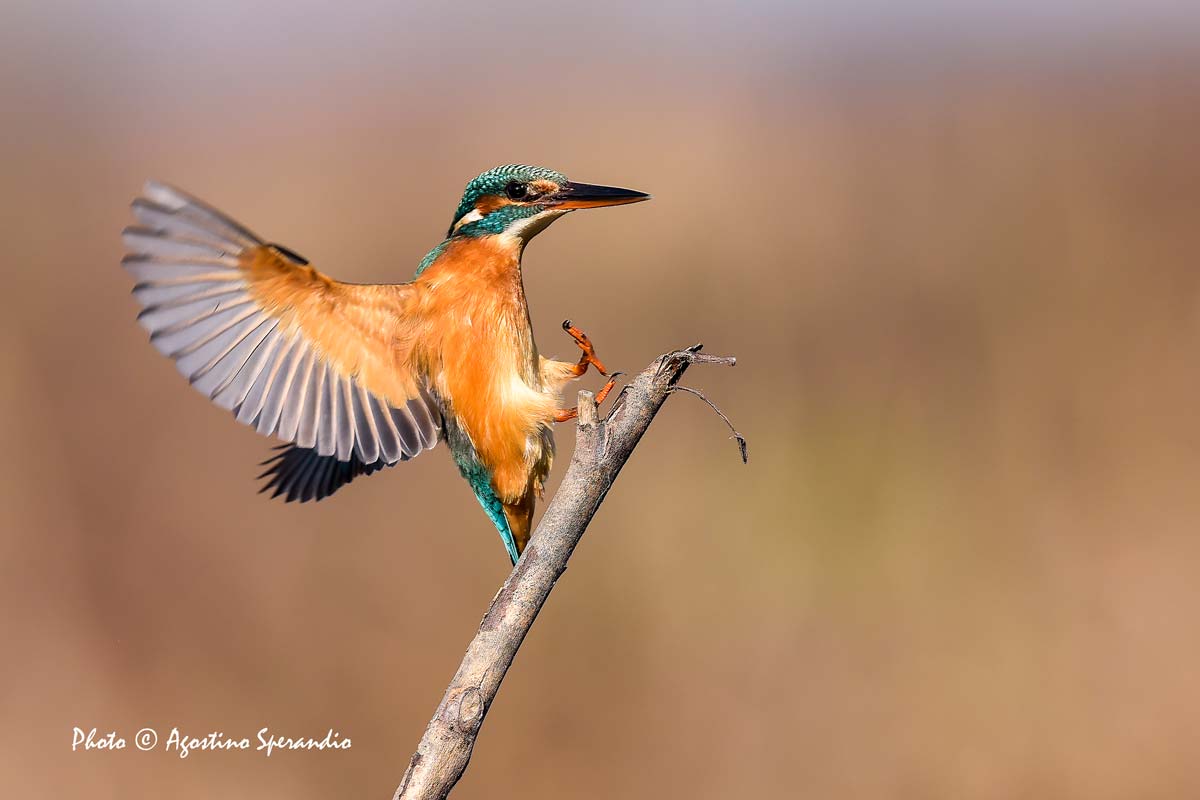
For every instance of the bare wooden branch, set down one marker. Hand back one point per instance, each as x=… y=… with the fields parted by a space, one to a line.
x=601 y=449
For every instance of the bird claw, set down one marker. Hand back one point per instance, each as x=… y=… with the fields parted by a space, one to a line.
x=564 y=414
x=585 y=344
x=608 y=387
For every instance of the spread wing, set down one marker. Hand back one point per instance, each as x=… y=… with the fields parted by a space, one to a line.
x=319 y=363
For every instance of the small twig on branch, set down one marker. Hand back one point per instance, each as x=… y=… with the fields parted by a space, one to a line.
x=741 y=440
x=601 y=448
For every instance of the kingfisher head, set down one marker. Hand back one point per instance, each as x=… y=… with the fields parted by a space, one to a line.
x=520 y=201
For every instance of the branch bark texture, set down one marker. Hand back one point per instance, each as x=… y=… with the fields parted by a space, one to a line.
x=602 y=448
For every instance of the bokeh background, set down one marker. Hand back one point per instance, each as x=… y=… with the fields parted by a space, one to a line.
x=953 y=245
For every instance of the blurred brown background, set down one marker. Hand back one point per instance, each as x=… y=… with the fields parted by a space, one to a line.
x=953 y=246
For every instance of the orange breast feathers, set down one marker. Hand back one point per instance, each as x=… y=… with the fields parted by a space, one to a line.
x=477 y=346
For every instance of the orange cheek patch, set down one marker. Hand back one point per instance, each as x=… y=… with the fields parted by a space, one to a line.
x=543 y=187
x=490 y=202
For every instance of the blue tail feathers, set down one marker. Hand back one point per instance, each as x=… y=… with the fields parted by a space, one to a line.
x=481 y=485
x=480 y=479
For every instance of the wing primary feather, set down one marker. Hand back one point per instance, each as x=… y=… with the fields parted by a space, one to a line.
x=146 y=241
x=328 y=478
x=275 y=459
x=187 y=222
x=306 y=432
x=187 y=340
x=200 y=361
x=191 y=306
x=251 y=407
x=315 y=478
x=223 y=374
x=428 y=416
x=391 y=447
x=204 y=314
x=302 y=477
x=175 y=199
x=147 y=268
x=294 y=398
x=406 y=428
x=367 y=437
x=165 y=294
x=344 y=426
x=347 y=408
x=234 y=395
x=268 y=420
x=327 y=416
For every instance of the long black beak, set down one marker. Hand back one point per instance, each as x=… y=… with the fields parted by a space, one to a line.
x=586 y=195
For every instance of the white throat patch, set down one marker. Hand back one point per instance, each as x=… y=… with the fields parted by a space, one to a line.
x=529 y=227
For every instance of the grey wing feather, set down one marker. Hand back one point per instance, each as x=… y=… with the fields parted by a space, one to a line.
x=185 y=258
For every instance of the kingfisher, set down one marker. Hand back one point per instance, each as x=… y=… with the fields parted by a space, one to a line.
x=354 y=378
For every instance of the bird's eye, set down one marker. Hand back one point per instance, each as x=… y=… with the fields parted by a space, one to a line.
x=517 y=191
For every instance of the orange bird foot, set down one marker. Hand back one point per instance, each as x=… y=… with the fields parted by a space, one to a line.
x=589 y=352
x=564 y=414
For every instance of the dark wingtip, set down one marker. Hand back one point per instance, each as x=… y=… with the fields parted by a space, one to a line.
x=290 y=254
x=304 y=475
